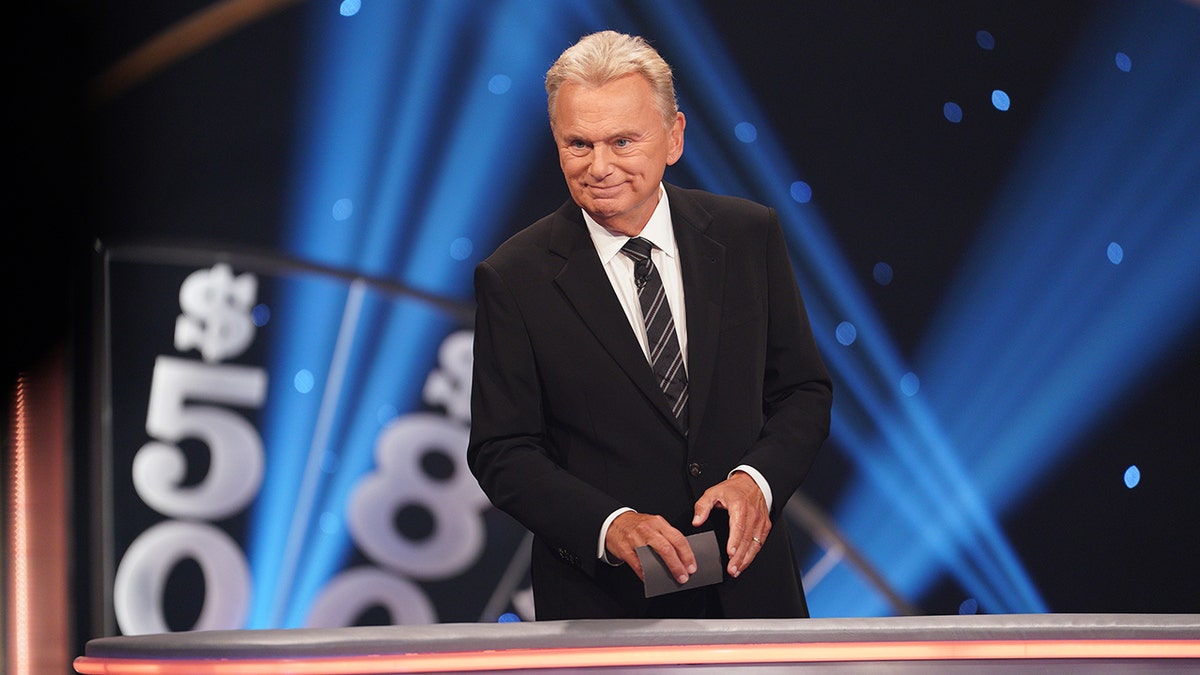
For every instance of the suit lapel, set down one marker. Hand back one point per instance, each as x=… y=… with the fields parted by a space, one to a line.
x=585 y=284
x=703 y=265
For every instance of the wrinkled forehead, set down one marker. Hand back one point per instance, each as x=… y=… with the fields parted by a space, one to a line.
x=625 y=105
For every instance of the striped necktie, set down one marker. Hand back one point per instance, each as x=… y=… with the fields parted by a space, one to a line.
x=666 y=360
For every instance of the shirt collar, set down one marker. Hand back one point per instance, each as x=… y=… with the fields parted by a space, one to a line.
x=657 y=230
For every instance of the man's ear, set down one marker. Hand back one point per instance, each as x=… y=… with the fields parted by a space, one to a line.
x=676 y=135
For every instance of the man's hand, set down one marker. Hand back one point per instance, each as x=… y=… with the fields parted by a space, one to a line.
x=749 y=521
x=630 y=530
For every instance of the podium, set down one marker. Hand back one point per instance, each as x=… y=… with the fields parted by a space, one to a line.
x=1062 y=643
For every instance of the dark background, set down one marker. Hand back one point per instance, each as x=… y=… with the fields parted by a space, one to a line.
x=196 y=152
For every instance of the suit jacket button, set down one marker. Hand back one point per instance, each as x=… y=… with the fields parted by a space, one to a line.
x=694 y=469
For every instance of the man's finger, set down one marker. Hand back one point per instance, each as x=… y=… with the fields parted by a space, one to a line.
x=703 y=507
x=631 y=530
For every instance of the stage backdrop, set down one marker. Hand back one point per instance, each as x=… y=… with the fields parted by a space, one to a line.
x=992 y=208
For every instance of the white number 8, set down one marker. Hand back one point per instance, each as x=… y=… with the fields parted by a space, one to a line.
x=454 y=502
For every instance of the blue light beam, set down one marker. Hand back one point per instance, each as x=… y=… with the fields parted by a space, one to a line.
x=869 y=376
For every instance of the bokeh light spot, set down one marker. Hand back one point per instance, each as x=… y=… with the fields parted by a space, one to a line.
x=342 y=209
x=910 y=384
x=1124 y=63
x=460 y=249
x=952 y=111
x=303 y=381
x=330 y=523
x=801 y=192
x=883 y=273
x=745 y=132
x=500 y=84
x=1133 y=476
x=1000 y=99
x=846 y=333
x=1115 y=253
x=260 y=315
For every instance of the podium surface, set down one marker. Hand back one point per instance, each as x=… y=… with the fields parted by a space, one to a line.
x=1059 y=643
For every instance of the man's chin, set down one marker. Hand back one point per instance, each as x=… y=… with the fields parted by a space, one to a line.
x=601 y=209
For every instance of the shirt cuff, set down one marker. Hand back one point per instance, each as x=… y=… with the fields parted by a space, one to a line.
x=601 y=551
x=758 y=478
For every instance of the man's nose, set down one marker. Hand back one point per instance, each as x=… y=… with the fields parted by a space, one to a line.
x=601 y=163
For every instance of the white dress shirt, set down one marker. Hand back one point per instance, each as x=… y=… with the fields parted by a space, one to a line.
x=619 y=267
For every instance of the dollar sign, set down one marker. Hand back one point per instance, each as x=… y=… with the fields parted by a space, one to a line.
x=216 y=319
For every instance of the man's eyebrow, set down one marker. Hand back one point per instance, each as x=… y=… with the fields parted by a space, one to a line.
x=628 y=134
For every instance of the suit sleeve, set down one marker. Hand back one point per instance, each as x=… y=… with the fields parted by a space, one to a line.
x=797 y=390
x=508 y=451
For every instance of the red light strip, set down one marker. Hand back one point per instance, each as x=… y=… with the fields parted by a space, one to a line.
x=33 y=583
x=593 y=657
x=17 y=584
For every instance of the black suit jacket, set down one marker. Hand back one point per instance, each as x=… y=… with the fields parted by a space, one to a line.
x=568 y=424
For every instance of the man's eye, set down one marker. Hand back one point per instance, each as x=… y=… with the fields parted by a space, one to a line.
x=623 y=143
x=578 y=145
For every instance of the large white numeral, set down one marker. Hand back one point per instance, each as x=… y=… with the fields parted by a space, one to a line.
x=347 y=596
x=138 y=591
x=449 y=385
x=236 y=465
x=454 y=502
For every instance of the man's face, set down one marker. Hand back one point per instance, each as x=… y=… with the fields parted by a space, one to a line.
x=614 y=148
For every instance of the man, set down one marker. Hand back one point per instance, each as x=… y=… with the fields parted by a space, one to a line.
x=574 y=433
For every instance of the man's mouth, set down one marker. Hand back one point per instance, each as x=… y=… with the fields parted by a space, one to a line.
x=603 y=189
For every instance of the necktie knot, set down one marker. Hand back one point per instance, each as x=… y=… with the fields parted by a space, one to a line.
x=637 y=248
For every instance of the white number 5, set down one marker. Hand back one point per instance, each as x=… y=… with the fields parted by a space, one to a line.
x=234 y=446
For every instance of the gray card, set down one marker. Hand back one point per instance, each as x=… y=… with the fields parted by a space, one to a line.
x=708 y=566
